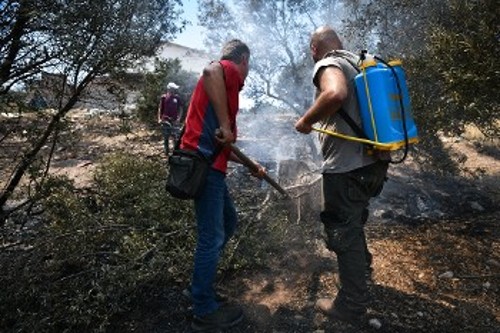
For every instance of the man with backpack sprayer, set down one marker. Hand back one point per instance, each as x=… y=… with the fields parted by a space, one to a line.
x=351 y=174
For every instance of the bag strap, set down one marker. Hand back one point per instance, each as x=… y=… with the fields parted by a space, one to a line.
x=212 y=158
x=178 y=142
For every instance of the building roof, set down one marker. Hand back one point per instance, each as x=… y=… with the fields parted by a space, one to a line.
x=192 y=60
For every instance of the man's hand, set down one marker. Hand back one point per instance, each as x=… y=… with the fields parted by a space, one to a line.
x=302 y=126
x=260 y=172
x=224 y=136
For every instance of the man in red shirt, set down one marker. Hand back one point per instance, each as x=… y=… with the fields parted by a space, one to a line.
x=169 y=110
x=210 y=126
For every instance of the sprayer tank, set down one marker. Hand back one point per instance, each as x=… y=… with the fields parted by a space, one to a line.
x=380 y=104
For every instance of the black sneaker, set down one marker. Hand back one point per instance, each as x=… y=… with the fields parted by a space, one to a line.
x=224 y=317
x=218 y=297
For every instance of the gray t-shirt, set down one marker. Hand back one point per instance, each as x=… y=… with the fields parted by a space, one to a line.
x=341 y=155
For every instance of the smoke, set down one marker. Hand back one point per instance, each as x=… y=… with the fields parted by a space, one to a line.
x=279 y=81
x=269 y=135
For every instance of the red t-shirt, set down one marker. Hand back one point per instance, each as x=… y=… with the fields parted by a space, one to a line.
x=201 y=119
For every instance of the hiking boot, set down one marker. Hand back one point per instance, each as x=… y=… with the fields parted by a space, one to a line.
x=218 y=297
x=326 y=306
x=224 y=317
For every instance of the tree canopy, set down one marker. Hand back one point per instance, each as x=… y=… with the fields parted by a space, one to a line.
x=278 y=35
x=77 y=41
x=446 y=48
x=77 y=37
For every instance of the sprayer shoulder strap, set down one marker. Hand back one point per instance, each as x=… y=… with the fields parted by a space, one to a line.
x=344 y=55
x=352 y=64
x=358 y=130
x=348 y=119
x=210 y=159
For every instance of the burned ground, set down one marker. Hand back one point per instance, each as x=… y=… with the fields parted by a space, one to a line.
x=434 y=240
x=430 y=276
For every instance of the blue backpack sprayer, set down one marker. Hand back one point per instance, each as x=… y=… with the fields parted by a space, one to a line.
x=384 y=101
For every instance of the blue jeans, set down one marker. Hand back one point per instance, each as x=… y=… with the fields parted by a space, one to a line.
x=216 y=222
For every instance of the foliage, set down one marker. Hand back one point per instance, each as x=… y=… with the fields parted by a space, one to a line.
x=78 y=37
x=73 y=42
x=446 y=47
x=98 y=250
x=277 y=33
x=99 y=253
x=262 y=232
x=461 y=49
x=387 y=28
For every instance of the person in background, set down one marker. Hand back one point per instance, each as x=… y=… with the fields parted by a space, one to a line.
x=209 y=128
x=169 y=111
x=351 y=174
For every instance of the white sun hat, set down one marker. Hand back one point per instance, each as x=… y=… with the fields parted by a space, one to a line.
x=172 y=85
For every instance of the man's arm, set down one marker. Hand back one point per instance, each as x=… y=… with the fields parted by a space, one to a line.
x=181 y=111
x=159 y=111
x=215 y=87
x=334 y=90
x=181 y=115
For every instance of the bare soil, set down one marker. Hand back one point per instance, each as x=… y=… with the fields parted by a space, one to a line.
x=430 y=275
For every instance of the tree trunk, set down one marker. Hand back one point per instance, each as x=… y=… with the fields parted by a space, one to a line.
x=30 y=156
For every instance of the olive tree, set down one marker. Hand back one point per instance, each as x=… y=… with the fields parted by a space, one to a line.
x=76 y=41
x=278 y=35
x=447 y=47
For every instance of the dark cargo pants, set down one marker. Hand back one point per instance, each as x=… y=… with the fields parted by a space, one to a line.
x=345 y=211
x=168 y=130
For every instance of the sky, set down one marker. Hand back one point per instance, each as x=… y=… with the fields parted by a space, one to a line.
x=193 y=35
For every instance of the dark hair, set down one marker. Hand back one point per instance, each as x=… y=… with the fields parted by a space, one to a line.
x=234 y=50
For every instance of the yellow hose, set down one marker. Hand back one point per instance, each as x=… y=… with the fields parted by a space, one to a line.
x=378 y=145
x=352 y=138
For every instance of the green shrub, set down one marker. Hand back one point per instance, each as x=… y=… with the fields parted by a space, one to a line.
x=97 y=250
x=99 y=253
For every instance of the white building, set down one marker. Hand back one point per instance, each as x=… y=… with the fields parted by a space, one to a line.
x=101 y=97
x=192 y=60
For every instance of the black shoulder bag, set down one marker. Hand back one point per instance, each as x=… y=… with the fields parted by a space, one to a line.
x=188 y=170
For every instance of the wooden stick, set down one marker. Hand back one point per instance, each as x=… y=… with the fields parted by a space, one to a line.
x=253 y=167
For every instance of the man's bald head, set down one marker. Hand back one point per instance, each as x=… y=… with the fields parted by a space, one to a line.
x=323 y=40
